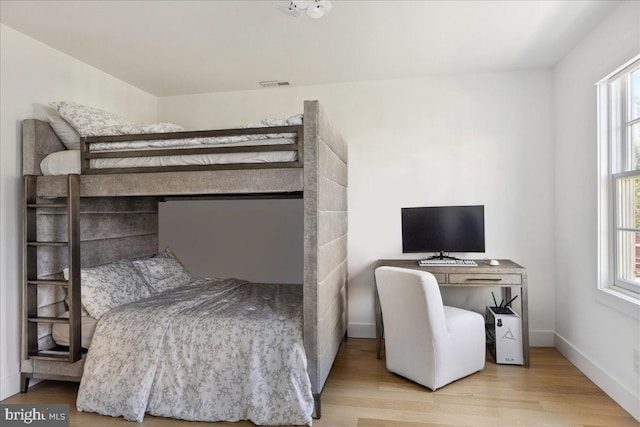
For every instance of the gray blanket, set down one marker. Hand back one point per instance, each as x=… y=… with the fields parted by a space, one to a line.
x=213 y=350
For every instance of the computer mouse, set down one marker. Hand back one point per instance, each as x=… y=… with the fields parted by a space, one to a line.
x=494 y=262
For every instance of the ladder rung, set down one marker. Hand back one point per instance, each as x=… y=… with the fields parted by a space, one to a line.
x=47 y=243
x=46 y=205
x=50 y=355
x=48 y=319
x=48 y=282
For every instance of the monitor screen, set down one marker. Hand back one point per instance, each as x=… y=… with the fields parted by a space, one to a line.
x=443 y=229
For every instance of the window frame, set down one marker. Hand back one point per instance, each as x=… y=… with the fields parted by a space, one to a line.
x=615 y=164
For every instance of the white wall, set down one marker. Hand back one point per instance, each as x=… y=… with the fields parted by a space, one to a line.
x=593 y=334
x=457 y=139
x=31 y=72
x=256 y=240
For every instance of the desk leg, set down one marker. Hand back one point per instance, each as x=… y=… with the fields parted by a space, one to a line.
x=524 y=307
x=378 y=315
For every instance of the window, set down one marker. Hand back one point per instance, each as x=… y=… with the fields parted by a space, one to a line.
x=619 y=137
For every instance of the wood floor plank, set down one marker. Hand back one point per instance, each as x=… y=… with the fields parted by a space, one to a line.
x=360 y=392
x=366 y=422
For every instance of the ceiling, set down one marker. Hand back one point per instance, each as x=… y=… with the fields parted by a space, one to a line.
x=183 y=47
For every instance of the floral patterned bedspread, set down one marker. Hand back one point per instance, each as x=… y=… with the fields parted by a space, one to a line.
x=211 y=350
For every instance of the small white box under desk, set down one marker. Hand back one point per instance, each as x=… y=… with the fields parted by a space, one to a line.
x=504 y=335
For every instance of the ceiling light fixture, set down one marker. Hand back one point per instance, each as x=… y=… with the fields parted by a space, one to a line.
x=314 y=8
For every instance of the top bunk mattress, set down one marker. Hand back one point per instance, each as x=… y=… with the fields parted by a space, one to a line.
x=101 y=142
x=69 y=161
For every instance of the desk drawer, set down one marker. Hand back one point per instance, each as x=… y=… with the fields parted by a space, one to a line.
x=483 y=279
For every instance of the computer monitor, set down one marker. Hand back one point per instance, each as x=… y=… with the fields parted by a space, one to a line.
x=443 y=229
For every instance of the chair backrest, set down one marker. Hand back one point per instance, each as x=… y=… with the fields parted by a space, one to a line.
x=413 y=316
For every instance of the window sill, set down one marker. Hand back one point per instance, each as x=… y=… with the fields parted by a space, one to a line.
x=620 y=300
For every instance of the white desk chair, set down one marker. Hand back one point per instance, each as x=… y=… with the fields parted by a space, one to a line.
x=426 y=341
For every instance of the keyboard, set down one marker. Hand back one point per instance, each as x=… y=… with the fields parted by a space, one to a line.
x=447 y=262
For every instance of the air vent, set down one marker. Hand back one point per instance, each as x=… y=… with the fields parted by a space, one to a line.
x=274 y=83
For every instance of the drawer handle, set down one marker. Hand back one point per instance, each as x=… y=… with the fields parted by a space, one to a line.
x=473 y=279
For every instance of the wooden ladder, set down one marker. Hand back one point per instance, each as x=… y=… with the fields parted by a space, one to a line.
x=31 y=319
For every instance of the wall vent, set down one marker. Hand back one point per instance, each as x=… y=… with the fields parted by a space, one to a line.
x=274 y=83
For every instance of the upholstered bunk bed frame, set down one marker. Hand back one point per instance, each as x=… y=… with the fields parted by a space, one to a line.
x=118 y=218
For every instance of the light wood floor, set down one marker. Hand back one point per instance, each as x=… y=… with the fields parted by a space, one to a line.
x=360 y=392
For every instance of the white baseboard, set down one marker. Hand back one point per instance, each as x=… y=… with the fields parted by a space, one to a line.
x=618 y=392
x=361 y=330
x=9 y=386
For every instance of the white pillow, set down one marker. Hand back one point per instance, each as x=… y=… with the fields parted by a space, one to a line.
x=164 y=271
x=67 y=134
x=61 y=163
x=291 y=121
x=111 y=285
x=60 y=331
x=89 y=121
x=295 y=120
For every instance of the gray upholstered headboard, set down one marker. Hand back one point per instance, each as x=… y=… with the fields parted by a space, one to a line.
x=38 y=141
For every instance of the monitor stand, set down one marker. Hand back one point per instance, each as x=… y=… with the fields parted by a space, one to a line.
x=442 y=256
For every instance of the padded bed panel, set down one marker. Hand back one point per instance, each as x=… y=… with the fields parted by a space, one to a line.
x=285 y=180
x=325 y=243
x=38 y=141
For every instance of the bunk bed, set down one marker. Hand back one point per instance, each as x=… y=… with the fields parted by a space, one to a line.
x=104 y=215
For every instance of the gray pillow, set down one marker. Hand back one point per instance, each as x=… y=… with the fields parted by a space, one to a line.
x=111 y=285
x=90 y=121
x=163 y=272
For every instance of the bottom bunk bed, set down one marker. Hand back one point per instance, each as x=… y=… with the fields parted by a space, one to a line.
x=110 y=218
x=206 y=350
x=165 y=343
